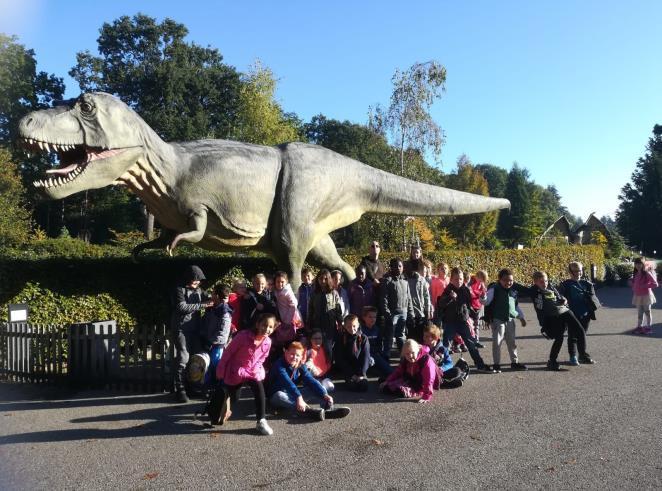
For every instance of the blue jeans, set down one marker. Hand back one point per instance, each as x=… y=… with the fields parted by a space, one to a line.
x=380 y=363
x=284 y=400
x=394 y=327
x=462 y=328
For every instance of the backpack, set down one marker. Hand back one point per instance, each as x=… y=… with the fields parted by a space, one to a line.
x=214 y=404
x=456 y=376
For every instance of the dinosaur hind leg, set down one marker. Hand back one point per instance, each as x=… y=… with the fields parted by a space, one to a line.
x=324 y=254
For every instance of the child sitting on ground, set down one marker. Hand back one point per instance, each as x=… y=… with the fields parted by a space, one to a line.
x=416 y=376
x=352 y=355
x=554 y=317
x=318 y=360
x=284 y=377
x=453 y=375
x=370 y=330
x=242 y=363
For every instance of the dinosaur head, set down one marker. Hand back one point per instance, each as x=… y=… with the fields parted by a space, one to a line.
x=97 y=138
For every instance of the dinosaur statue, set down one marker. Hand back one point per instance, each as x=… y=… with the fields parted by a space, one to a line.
x=223 y=195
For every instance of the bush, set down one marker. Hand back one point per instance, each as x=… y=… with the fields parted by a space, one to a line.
x=624 y=271
x=68 y=280
x=552 y=260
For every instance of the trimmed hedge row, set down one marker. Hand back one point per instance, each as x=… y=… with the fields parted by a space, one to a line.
x=65 y=290
x=553 y=260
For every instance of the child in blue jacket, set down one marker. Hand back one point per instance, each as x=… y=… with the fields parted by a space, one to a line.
x=284 y=377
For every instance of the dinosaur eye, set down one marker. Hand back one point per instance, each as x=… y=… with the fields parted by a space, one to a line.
x=86 y=107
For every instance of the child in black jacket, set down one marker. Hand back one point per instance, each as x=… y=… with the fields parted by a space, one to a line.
x=554 y=317
x=352 y=354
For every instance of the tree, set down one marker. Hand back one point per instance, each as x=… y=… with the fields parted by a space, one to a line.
x=182 y=90
x=365 y=145
x=408 y=118
x=22 y=90
x=510 y=226
x=474 y=229
x=260 y=118
x=640 y=206
x=360 y=143
x=496 y=179
x=15 y=217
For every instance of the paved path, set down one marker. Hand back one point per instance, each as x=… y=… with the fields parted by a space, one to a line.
x=588 y=427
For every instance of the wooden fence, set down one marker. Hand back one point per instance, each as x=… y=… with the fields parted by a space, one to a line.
x=87 y=355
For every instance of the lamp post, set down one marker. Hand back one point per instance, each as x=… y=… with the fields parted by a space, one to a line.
x=404 y=232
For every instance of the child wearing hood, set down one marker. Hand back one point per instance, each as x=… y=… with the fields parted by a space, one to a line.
x=290 y=319
x=352 y=354
x=416 y=376
x=187 y=300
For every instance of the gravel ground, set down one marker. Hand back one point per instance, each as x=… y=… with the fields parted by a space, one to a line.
x=588 y=427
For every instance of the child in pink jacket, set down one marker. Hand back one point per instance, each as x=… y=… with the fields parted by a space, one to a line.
x=643 y=282
x=290 y=319
x=242 y=363
x=417 y=374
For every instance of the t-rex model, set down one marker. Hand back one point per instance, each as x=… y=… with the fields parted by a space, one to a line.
x=284 y=200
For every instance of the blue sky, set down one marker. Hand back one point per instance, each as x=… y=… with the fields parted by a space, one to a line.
x=569 y=90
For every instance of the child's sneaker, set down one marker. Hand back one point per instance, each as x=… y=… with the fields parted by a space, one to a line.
x=646 y=330
x=337 y=412
x=586 y=359
x=315 y=413
x=263 y=428
x=521 y=367
x=553 y=366
x=638 y=330
x=574 y=361
x=496 y=368
x=486 y=368
x=463 y=348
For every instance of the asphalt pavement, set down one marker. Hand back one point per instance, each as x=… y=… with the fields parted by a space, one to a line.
x=587 y=427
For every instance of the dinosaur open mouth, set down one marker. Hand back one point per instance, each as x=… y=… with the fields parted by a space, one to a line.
x=73 y=158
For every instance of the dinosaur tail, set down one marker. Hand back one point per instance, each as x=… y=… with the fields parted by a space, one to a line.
x=388 y=193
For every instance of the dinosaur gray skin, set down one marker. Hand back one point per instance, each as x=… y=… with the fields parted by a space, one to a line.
x=224 y=195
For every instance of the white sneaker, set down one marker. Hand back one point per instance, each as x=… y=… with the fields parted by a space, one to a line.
x=264 y=428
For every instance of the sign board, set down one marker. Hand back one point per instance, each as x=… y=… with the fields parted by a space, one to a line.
x=18 y=312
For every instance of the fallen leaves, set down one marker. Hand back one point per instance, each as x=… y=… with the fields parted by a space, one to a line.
x=150 y=475
x=377 y=442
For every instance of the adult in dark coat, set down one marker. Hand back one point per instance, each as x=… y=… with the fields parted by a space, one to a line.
x=187 y=300
x=374 y=267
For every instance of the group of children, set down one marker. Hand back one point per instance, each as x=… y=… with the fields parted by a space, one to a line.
x=281 y=339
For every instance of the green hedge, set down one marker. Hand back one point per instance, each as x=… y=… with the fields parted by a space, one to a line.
x=552 y=260
x=82 y=288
